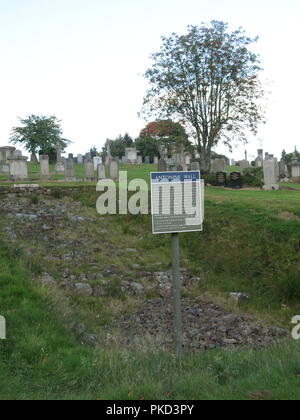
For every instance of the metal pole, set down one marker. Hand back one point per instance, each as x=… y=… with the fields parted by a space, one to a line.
x=177 y=293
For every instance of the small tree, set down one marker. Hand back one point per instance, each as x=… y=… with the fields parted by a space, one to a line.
x=39 y=134
x=208 y=80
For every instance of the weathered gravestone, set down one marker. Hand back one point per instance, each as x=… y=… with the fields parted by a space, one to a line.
x=44 y=167
x=147 y=160
x=235 y=180
x=59 y=167
x=195 y=166
x=221 y=179
x=101 y=171
x=97 y=161
x=162 y=165
x=89 y=170
x=218 y=165
x=282 y=169
x=114 y=169
x=70 y=170
x=270 y=177
x=80 y=159
x=244 y=164
x=155 y=160
x=175 y=168
x=18 y=168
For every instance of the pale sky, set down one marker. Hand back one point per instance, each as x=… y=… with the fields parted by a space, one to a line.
x=83 y=61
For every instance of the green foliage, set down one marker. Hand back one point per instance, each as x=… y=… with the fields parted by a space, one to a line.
x=208 y=79
x=253 y=177
x=147 y=146
x=39 y=133
x=118 y=146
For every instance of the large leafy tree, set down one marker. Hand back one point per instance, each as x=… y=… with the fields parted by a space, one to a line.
x=208 y=80
x=170 y=134
x=39 y=134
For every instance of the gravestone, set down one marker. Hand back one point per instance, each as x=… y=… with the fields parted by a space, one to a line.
x=71 y=156
x=282 y=169
x=114 y=169
x=70 y=170
x=80 y=159
x=147 y=160
x=97 y=161
x=101 y=171
x=221 y=179
x=155 y=160
x=89 y=172
x=195 y=166
x=260 y=158
x=175 y=168
x=294 y=170
x=235 y=180
x=131 y=155
x=218 y=165
x=139 y=160
x=162 y=165
x=18 y=168
x=44 y=167
x=244 y=164
x=270 y=177
x=59 y=167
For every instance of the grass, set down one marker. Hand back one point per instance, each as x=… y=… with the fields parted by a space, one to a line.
x=41 y=360
x=250 y=243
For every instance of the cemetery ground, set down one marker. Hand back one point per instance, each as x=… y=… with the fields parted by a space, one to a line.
x=87 y=298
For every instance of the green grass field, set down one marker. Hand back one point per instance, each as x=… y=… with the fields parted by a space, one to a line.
x=250 y=244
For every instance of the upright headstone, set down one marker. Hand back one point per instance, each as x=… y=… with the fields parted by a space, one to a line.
x=195 y=166
x=147 y=160
x=101 y=171
x=139 y=160
x=162 y=165
x=97 y=161
x=155 y=160
x=260 y=158
x=89 y=170
x=131 y=155
x=80 y=159
x=270 y=178
x=218 y=165
x=18 y=168
x=5 y=153
x=244 y=164
x=70 y=170
x=44 y=167
x=235 y=180
x=59 y=167
x=221 y=179
x=294 y=169
x=282 y=169
x=114 y=169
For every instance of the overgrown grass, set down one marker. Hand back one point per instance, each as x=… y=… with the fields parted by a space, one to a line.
x=41 y=360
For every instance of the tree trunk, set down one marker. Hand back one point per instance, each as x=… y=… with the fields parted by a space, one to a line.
x=205 y=156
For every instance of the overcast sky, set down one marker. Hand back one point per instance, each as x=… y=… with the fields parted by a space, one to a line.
x=83 y=61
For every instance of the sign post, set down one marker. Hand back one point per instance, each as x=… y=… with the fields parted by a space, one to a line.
x=177 y=206
x=177 y=293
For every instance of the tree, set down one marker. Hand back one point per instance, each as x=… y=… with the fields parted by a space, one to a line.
x=166 y=132
x=39 y=134
x=208 y=80
x=147 y=146
x=118 y=146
